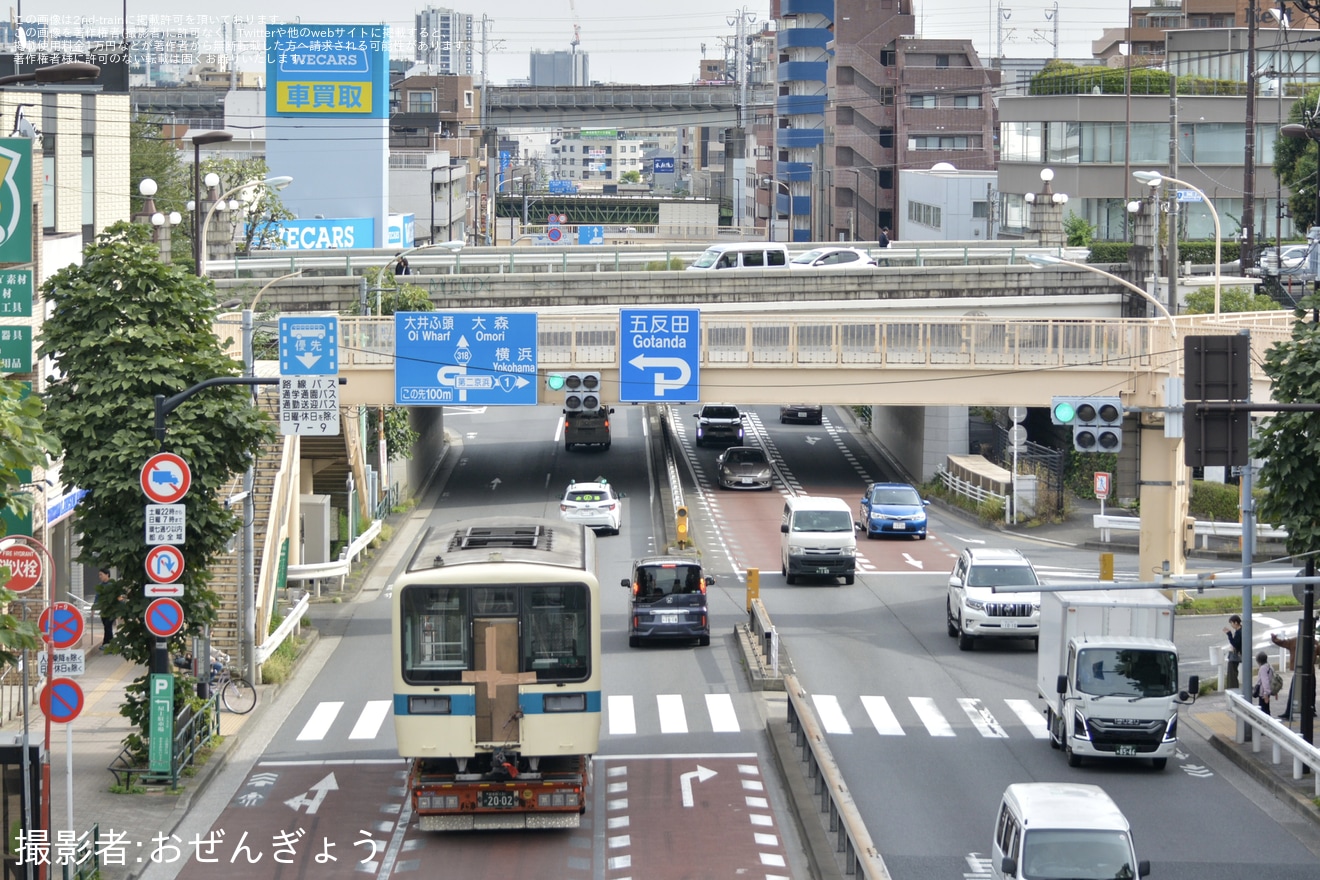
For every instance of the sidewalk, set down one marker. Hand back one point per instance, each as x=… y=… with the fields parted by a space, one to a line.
x=97 y=735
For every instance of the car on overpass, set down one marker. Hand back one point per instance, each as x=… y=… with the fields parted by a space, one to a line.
x=832 y=259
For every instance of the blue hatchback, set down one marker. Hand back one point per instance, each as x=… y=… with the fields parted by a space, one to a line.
x=893 y=509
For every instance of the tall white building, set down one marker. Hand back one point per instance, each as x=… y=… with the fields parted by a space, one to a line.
x=444 y=41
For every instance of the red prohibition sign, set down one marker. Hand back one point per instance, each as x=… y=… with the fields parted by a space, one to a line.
x=62 y=700
x=164 y=617
x=165 y=564
x=165 y=478
x=61 y=624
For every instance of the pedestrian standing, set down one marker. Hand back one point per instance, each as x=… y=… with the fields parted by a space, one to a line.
x=402 y=267
x=884 y=238
x=1234 y=633
x=107 y=602
x=1264 y=680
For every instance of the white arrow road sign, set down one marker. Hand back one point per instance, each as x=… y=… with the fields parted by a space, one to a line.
x=685 y=781
x=317 y=794
x=308 y=359
x=910 y=561
x=662 y=384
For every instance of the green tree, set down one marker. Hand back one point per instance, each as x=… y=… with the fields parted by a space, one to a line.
x=124 y=328
x=1231 y=299
x=261 y=207
x=1080 y=232
x=630 y=177
x=23 y=446
x=1295 y=166
x=151 y=155
x=1289 y=443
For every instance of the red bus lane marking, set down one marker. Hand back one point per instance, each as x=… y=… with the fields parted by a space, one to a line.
x=646 y=811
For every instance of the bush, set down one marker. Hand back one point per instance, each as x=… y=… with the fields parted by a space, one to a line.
x=991 y=511
x=1214 y=501
x=1109 y=252
x=1079 y=476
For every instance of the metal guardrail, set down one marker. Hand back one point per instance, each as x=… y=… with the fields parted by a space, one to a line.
x=1204 y=529
x=853 y=841
x=341 y=566
x=286 y=628
x=1282 y=739
x=193 y=731
x=968 y=490
x=84 y=862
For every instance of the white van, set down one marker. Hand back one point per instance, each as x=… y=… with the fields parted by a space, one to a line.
x=817 y=539
x=1061 y=831
x=743 y=255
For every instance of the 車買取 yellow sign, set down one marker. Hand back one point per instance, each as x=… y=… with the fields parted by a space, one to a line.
x=323 y=97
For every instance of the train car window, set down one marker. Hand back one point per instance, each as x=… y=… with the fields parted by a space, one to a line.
x=556 y=638
x=435 y=633
x=495 y=600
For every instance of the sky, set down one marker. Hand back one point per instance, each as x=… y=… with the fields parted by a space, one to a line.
x=653 y=43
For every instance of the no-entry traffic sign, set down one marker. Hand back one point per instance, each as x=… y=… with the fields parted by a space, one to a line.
x=164 y=618
x=24 y=567
x=62 y=700
x=165 y=564
x=61 y=624
x=165 y=478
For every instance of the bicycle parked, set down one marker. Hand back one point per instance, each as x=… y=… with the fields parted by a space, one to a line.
x=236 y=693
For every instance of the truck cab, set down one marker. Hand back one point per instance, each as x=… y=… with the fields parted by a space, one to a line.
x=587 y=428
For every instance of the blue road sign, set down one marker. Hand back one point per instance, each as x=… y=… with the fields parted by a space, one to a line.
x=1189 y=195
x=447 y=358
x=309 y=346
x=62 y=700
x=659 y=355
x=591 y=235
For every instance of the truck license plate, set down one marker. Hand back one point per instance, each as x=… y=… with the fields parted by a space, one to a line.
x=497 y=800
x=1125 y=751
x=822 y=569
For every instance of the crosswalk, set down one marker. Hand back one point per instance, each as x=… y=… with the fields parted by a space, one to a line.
x=628 y=715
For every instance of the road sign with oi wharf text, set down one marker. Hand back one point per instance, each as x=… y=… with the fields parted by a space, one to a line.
x=446 y=358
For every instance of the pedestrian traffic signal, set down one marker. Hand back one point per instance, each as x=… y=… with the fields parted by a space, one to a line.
x=1097 y=422
x=581 y=392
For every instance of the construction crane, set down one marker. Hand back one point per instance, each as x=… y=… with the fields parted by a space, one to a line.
x=577 y=28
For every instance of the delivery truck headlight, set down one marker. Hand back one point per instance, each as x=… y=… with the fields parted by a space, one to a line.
x=1080 y=730
x=1171 y=730
x=847 y=552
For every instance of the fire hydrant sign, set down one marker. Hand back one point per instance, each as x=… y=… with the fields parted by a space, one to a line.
x=165 y=524
x=24 y=566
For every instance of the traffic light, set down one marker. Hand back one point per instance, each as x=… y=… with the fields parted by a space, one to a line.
x=581 y=391
x=1097 y=422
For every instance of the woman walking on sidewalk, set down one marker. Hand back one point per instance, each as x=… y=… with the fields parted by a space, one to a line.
x=1264 y=679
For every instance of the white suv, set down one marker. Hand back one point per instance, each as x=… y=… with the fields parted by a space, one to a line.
x=974 y=611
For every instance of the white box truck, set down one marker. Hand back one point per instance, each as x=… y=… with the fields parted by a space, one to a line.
x=1108 y=672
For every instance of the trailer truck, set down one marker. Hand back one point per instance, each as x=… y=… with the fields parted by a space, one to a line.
x=1108 y=672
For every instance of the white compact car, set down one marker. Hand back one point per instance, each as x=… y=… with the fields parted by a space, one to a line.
x=833 y=259
x=593 y=504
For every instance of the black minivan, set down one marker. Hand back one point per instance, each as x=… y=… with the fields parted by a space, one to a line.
x=668 y=600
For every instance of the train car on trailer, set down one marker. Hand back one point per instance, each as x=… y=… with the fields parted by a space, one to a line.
x=496 y=637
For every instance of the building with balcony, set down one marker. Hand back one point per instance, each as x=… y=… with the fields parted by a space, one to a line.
x=444 y=41
x=595 y=157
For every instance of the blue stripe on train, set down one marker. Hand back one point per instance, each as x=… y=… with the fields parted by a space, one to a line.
x=466 y=704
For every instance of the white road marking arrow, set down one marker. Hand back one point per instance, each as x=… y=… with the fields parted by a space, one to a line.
x=494 y=484
x=685 y=781
x=812 y=441
x=663 y=384
x=308 y=359
x=968 y=540
x=910 y=561
x=314 y=803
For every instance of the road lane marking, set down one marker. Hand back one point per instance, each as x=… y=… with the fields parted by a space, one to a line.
x=1030 y=716
x=931 y=717
x=882 y=716
x=369 y=722
x=722 y=717
x=672 y=717
x=980 y=716
x=319 y=724
x=622 y=720
x=831 y=714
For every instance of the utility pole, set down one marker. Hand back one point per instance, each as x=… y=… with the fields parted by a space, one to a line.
x=1248 y=245
x=1173 y=203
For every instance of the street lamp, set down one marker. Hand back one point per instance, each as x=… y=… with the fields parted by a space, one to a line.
x=1043 y=261
x=160 y=221
x=201 y=139
x=774 y=208
x=276 y=183
x=1155 y=178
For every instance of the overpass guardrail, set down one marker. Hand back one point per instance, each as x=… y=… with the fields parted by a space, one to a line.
x=616 y=258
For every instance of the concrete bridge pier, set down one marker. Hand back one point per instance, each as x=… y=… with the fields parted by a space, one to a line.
x=920 y=438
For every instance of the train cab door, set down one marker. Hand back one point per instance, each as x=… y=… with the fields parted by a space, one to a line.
x=495 y=659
